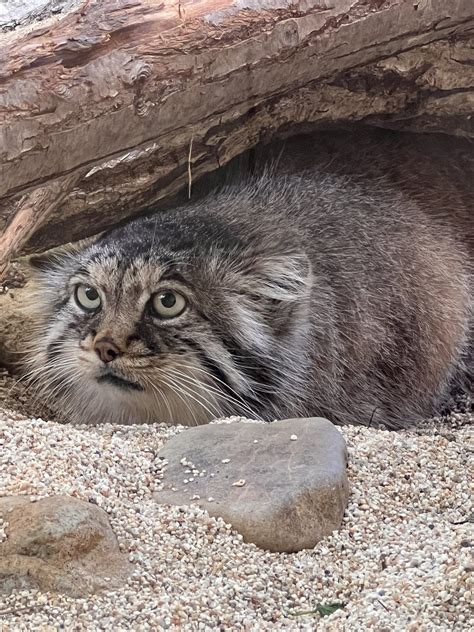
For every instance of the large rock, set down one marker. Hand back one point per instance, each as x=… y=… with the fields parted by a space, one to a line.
x=58 y=544
x=282 y=485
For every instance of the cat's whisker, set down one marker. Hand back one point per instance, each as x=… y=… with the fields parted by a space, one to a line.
x=23 y=378
x=162 y=394
x=157 y=392
x=46 y=376
x=63 y=379
x=215 y=413
x=239 y=399
x=177 y=390
x=50 y=387
x=26 y=376
x=39 y=382
x=215 y=391
x=205 y=393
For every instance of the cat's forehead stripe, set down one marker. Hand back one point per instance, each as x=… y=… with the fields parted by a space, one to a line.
x=129 y=277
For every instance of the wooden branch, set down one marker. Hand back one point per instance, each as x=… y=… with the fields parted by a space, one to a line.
x=114 y=91
x=31 y=212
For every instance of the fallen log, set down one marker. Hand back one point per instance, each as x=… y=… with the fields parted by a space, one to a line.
x=129 y=98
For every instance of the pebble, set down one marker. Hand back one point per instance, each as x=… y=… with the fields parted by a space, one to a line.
x=193 y=572
x=239 y=483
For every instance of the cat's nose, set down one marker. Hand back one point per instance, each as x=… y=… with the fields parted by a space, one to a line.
x=106 y=349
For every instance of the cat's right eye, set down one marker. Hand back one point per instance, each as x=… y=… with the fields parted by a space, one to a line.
x=87 y=298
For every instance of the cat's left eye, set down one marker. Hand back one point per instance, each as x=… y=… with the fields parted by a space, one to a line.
x=87 y=297
x=168 y=304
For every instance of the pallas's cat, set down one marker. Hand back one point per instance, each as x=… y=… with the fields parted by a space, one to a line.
x=291 y=294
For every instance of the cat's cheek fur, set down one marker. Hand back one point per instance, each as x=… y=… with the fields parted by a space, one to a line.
x=250 y=329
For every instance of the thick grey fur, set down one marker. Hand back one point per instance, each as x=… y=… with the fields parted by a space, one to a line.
x=313 y=290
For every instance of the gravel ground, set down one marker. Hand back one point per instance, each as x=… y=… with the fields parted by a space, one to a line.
x=401 y=560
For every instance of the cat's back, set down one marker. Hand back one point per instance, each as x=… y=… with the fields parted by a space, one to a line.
x=392 y=287
x=427 y=180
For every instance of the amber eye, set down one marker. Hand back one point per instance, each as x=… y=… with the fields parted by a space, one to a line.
x=168 y=304
x=87 y=297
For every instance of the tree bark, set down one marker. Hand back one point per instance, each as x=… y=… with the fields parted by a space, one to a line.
x=127 y=98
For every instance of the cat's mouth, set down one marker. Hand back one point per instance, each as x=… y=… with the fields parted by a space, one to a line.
x=120 y=382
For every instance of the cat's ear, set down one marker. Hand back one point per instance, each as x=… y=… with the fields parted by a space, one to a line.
x=52 y=258
x=284 y=278
x=46 y=260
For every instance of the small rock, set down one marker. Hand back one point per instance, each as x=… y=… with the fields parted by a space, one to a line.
x=290 y=494
x=59 y=544
x=239 y=483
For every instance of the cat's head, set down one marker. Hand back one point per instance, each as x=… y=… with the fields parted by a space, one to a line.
x=173 y=318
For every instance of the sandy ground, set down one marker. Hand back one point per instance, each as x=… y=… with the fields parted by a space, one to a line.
x=401 y=560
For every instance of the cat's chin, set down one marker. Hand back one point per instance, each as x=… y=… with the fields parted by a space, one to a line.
x=119 y=382
x=117 y=401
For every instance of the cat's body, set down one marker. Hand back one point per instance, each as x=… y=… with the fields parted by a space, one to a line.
x=305 y=293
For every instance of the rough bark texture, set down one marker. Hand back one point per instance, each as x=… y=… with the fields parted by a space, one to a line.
x=130 y=97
